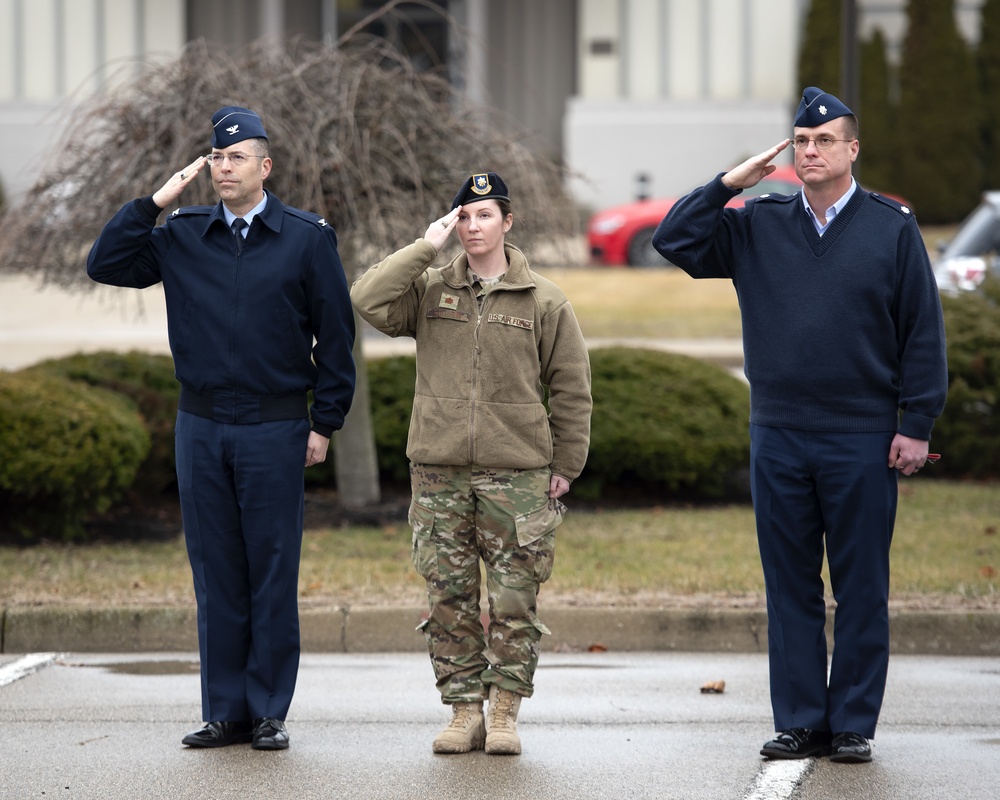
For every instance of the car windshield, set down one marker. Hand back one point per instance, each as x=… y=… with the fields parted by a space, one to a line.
x=978 y=235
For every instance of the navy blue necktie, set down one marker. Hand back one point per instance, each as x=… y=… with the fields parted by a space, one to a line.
x=238 y=225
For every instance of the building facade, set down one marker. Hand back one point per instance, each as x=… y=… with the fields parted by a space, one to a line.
x=636 y=96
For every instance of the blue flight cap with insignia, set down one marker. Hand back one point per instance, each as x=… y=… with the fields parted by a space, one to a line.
x=232 y=124
x=818 y=107
x=481 y=186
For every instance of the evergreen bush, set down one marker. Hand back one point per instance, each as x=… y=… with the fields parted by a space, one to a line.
x=988 y=69
x=391 y=382
x=820 y=50
x=662 y=423
x=939 y=116
x=968 y=432
x=148 y=380
x=68 y=450
x=666 y=424
x=878 y=161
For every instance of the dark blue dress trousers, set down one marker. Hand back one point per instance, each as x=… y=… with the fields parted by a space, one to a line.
x=242 y=496
x=834 y=491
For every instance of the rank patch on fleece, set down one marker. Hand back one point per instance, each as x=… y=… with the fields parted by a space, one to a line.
x=448 y=300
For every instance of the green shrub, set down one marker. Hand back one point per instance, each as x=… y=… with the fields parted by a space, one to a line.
x=391 y=384
x=665 y=423
x=968 y=432
x=662 y=422
x=68 y=450
x=939 y=153
x=148 y=380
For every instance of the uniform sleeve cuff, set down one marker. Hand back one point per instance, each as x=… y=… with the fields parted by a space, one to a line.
x=718 y=194
x=323 y=430
x=147 y=208
x=916 y=426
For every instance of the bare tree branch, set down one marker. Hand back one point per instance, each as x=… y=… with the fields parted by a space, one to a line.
x=357 y=134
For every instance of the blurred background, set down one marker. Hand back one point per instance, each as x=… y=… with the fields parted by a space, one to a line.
x=638 y=98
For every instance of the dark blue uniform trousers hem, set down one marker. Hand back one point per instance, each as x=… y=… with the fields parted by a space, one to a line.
x=809 y=486
x=242 y=497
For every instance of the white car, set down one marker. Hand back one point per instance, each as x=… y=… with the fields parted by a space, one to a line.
x=975 y=250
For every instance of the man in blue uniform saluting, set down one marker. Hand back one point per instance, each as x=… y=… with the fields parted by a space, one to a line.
x=250 y=285
x=844 y=350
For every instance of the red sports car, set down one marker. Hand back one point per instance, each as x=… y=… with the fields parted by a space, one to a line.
x=622 y=236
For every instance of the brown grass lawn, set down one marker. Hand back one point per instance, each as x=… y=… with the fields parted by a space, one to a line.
x=946 y=553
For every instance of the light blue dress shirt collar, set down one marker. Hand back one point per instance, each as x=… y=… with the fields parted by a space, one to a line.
x=832 y=211
x=248 y=217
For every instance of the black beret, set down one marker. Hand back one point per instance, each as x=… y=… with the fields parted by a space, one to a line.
x=818 y=107
x=481 y=186
x=232 y=124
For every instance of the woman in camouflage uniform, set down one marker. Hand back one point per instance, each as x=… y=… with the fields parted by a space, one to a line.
x=488 y=463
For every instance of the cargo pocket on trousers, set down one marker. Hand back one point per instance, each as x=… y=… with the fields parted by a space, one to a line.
x=536 y=534
x=423 y=552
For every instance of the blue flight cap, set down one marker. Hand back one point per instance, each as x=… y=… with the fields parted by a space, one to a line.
x=481 y=186
x=818 y=107
x=232 y=124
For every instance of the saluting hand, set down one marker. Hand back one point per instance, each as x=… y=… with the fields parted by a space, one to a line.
x=754 y=170
x=172 y=189
x=439 y=230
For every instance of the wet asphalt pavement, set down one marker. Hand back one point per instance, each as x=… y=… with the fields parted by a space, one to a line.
x=601 y=725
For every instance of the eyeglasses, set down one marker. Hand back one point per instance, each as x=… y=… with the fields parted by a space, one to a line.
x=236 y=159
x=821 y=142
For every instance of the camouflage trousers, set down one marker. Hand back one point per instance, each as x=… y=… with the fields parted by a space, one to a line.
x=461 y=515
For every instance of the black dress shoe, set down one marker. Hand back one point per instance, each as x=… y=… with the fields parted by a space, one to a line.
x=269 y=734
x=798 y=743
x=219 y=734
x=850 y=748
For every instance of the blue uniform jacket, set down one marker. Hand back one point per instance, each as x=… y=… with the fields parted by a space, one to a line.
x=841 y=332
x=242 y=327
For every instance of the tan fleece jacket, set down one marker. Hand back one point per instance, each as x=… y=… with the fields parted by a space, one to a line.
x=480 y=374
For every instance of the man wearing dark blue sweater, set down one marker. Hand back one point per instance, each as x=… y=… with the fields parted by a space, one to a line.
x=845 y=355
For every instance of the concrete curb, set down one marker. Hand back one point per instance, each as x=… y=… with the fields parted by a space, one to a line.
x=393 y=629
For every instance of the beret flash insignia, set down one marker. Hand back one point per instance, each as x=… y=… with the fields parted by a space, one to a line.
x=481 y=184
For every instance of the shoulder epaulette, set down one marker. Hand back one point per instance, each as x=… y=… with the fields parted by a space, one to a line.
x=192 y=211
x=308 y=216
x=772 y=197
x=900 y=207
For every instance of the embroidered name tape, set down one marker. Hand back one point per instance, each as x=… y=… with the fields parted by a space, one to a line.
x=517 y=322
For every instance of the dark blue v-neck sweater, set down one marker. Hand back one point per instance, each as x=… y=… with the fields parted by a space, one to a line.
x=841 y=332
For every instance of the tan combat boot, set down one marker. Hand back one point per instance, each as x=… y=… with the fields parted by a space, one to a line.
x=465 y=732
x=501 y=722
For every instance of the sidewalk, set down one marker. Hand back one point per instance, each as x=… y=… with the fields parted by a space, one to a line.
x=38 y=323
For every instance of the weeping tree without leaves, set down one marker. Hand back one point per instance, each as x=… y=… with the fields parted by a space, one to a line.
x=357 y=135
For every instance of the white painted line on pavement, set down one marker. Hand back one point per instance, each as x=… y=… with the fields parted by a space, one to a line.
x=778 y=779
x=25 y=666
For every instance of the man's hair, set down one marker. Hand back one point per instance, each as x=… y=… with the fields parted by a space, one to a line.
x=261 y=147
x=851 y=127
